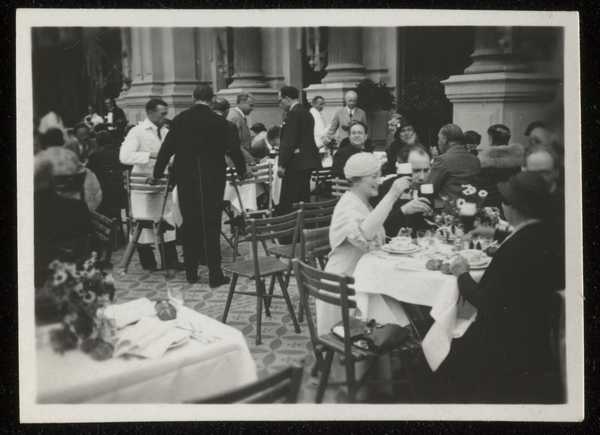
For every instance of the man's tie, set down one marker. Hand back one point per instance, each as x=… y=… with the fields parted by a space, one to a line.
x=158 y=133
x=350 y=115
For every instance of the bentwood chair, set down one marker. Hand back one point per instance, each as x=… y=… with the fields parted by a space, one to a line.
x=260 y=174
x=336 y=290
x=147 y=213
x=281 y=387
x=339 y=186
x=261 y=267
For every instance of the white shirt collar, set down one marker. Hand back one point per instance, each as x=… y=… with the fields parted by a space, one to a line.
x=292 y=106
x=147 y=124
x=350 y=110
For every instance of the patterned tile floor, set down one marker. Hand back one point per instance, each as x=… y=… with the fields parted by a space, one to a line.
x=280 y=347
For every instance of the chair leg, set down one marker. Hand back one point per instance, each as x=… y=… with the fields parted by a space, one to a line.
x=270 y=293
x=137 y=230
x=260 y=291
x=155 y=230
x=267 y=299
x=288 y=302
x=236 y=241
x=350 y=379
x=234 y=279
x=324 y=376
x=300 y=311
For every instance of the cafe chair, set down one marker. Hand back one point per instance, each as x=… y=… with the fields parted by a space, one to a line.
x=314 y=250
x=314 y=215
x=339 y=186
x=321 y=179
x=259 y=174
x=281 y=387
x=147 y=213
x=104 y=233
x=261 y=267
x=337 y=290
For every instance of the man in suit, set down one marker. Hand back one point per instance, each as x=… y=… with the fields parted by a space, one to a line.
x=200 y=138
x=408 y=212
x=239 y=117
x=339 y=128
x=298 y=153
x=454 y=166
x=506 y=355
x=115 y=116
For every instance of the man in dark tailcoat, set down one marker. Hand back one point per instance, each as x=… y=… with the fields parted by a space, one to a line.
x=506 y=356
x=200 y=139
x=298 y=153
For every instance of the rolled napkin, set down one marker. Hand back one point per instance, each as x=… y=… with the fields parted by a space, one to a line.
x=129 y=312
x=149 y=338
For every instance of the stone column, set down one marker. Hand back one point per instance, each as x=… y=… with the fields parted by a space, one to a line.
x=179 y=67
x=344 y=68
x=248 y=77
x=500 y=86
x=204 y=55
x=126 y=58
x=344 y=64
x=272 y=48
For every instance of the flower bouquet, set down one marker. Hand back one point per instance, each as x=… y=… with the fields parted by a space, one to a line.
x=77 y=294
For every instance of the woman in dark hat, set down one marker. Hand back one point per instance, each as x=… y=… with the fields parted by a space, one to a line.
x=405 y=139
x=506 y=355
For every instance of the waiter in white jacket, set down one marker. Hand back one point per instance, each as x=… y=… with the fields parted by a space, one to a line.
x=140 y=148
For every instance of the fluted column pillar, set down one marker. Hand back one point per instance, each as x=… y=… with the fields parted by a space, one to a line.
x=248 y=77
x=500 y=86
x=247 y=58
x=345 y=64
x=126 y=58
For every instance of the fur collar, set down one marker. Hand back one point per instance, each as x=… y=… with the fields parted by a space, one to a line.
x=501 y=156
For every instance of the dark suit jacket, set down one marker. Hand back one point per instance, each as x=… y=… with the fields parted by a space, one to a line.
x=506 y=352
x=297 y=149
x=450 y=170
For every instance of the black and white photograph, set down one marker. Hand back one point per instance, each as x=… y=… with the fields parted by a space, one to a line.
x=381 y=211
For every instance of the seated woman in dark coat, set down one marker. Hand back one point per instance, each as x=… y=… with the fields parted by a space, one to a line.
x=506 y=355
x=405 y=139
x=62 y=226
x=356 y=142
x=499 y=161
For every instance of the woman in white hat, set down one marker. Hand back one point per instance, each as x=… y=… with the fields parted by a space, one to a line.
x=356 y=227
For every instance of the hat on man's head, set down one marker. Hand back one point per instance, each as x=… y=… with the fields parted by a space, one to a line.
x=361 y=165
x=528 y=192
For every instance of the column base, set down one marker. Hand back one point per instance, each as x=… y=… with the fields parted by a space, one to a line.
x=511 y=98
x=266 y=104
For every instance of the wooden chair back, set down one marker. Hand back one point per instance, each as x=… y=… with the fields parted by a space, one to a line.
x=261 y=173
x=326 y=287
x=339 y=186
x=104 y=233
x=316 y=214
x=156 y=194
x=314 y=246
x=273 y=228
x=321 y=178
x=281 y=387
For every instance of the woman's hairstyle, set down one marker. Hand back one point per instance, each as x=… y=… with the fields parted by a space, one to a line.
x=499 y=134
x=472 y=137
x=258 y=127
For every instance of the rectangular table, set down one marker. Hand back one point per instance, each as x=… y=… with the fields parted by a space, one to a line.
x=377 y=274
x=193 y=370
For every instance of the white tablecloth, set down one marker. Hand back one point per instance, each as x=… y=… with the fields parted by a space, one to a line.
x=377 y=273
x=193 y=370
x=249 y=192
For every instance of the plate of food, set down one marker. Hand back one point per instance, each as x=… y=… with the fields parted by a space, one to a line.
x=400 y=247
x=476 y=259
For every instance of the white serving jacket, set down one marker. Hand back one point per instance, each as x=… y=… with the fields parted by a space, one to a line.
x=140 y=142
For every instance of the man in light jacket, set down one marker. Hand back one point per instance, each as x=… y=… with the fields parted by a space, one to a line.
x=340 y=124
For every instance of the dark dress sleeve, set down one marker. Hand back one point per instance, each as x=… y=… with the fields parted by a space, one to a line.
x=167 y=149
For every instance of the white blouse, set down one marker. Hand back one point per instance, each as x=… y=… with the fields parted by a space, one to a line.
x=348 y=245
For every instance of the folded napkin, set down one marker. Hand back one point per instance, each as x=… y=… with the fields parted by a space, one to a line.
x=129 y=312
x=149 y=338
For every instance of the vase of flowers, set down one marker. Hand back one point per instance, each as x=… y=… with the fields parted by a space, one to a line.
x=77 y=294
